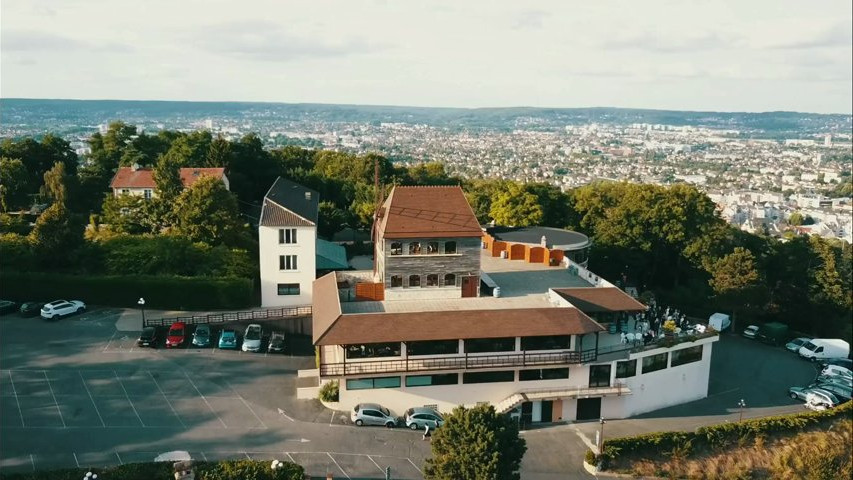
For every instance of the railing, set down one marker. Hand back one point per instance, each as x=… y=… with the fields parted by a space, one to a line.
x=456 y=362
x=507 y=404
x=269 y=314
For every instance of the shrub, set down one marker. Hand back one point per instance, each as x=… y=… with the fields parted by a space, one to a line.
x=591 y=458
x=330 y=391
x=224 y=470
x=165 y=292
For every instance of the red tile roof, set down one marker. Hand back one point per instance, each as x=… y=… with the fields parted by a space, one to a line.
x=428 y=212
x=600 y=299
x=127 y=177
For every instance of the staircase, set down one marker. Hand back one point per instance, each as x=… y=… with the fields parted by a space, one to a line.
x=510 y=402
x=520 y=397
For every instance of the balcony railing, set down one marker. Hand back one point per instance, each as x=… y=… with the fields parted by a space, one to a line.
x=456 y=362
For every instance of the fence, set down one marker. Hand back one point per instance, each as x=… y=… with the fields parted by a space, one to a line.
x=225 y=317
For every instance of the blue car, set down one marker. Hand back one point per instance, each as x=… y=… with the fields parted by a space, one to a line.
x=228 y=339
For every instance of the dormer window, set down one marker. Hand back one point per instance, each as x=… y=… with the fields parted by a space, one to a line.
x=415 y=248
x=396 y=248
x=432 y=248
x=450 y=247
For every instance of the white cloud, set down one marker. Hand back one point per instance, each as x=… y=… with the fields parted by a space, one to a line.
x=703 y=54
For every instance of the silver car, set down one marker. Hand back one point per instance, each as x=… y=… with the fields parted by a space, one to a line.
x=419 y=417
x=372 y=414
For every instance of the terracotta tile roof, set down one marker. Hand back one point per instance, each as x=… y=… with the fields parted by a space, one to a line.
x=453 y=324
x=127 y=177
x=600 y=299
x=428 y=212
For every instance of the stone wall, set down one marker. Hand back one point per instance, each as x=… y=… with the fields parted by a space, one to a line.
x=465 y=261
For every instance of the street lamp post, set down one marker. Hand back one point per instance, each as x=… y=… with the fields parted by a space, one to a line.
x=741 y=404
x=601 y=423
x=141 y=304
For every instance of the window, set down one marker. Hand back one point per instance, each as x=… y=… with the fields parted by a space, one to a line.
x=147 y=193
x=288 y=289
x=396 y=281
x=479 y=345
x=427 y=380
x=432 y=248
x=125 y=191
x=449 y=247
x=543 y=374
x=415 y=248
x=432 y=347
x=414 y=280
x=287 y=262
x=450 y=280
x=376 y=382
x=432 y=280
x=286 y=235
x=548 y=342
x=488 y=377
x=653 y=363
x=373 y=350
x=396 y=248
x=599 y=375
x=626 y=369
x=687 y=355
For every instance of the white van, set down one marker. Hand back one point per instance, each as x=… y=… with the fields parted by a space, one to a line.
x=820 y=348
x=719 y=321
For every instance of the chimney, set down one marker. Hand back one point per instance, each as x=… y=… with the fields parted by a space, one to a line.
x=196 y=173
x=134 y=167
x=544 y=241
x=308 y=196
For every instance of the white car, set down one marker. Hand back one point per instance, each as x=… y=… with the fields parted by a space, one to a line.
x=795 y=344
x=836 y=371
x=62 y=308
x=751 y=331
x=252 y=338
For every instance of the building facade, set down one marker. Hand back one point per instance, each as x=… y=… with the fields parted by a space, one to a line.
x=140 y=182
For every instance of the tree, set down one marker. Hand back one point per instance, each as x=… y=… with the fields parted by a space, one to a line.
x=735 y=279
x=14 y=184
x=55 y=186
x=167 y=177
x=516 y=207
x=474 y=444
x=330 y=219
x=125 y=213
x=795 y=219
x=207 y=212
x=55 y=235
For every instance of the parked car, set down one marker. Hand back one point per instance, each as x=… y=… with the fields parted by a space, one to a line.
x=834 y=379
x=276 y=343
x=201 y=335
x=62 y=308
x=8 y=306
x=821 y=400
x=252 y=338
x=841 y=392
x=228 y=339
x=836 y=371
x=841 y=362
x=148 y=337
x=31 y=309
x=372 y=414
x=751 y=331
x=795 y=344
x=773 y=333
x=418 y=418
x=177 y=335
x=799 y=393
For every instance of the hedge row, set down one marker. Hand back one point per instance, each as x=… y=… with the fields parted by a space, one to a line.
x=718 y=436
x=160 y=292
x=225 y=470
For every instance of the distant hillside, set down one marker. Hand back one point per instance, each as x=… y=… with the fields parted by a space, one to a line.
x=67 y=113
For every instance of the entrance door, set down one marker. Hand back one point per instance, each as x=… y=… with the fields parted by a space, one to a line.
x=469 y=285
x=589 y=408
x=526 y=415
x=547 y=409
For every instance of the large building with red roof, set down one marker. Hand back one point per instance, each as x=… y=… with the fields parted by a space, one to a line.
x=140 y=181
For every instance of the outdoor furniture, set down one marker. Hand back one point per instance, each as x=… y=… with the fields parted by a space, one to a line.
x=630 y=338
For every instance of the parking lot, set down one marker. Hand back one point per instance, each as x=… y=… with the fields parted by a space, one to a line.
x=79 y=392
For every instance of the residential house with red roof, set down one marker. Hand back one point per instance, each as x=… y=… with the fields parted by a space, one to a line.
x=140 y=182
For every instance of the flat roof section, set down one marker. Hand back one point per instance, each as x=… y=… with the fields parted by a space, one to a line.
x=519 y=278
x=596 y=300
x=554 y=237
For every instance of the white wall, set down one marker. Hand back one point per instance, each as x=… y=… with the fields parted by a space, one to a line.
x=136 y=192
x=306 y=251
x=422 y=293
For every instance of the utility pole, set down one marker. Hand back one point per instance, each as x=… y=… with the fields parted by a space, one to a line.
x=741 y=404
x=601 y=423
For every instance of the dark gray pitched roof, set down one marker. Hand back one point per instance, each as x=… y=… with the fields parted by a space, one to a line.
x=289 y=204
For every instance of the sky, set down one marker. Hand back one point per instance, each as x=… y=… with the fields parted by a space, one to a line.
x=723 y=55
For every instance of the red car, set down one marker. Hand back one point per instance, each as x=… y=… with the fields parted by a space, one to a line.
x=177 y=335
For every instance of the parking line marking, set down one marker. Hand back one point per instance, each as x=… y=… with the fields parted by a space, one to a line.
x=75 y=459
x=290 y=457
x=205 y=400
x=128 y=399
x=377 y=465
x=413 y=464
x=331 y=418
x=247 y=455
x=203 y=456
x=107 y=346
x=336 y=463
x=119 y=457
x=33 y=462
x=20 y=412
x=166 y=398
x=91 y=398
x=246 y=404
x=54 y=398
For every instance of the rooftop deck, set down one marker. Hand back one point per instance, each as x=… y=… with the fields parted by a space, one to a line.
x=518 y=278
